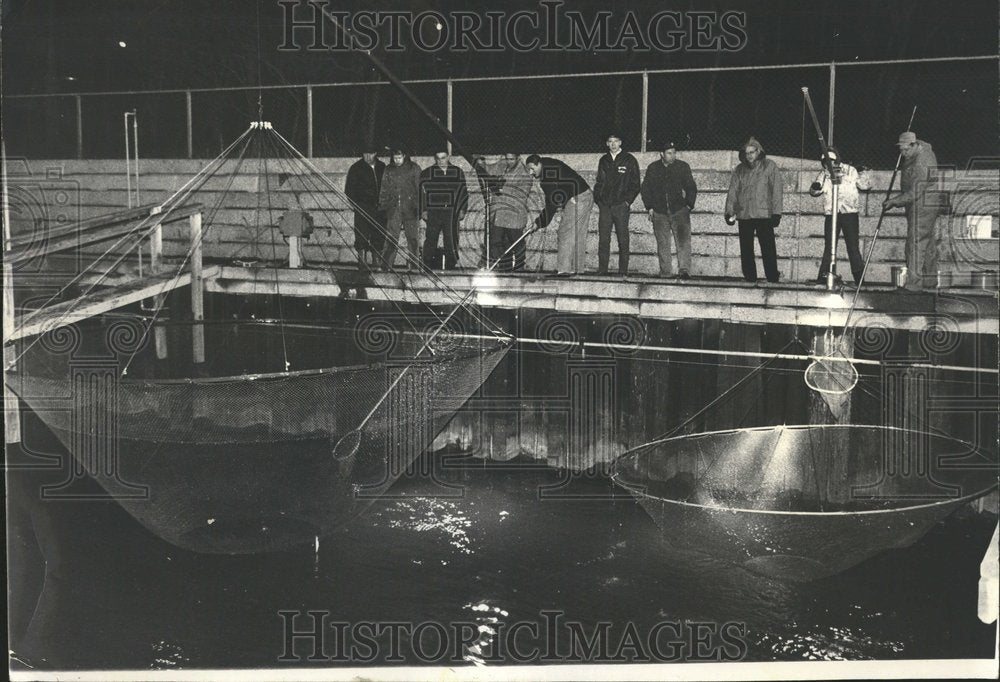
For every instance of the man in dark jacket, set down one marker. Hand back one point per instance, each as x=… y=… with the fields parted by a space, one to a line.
x=616 y=188
x=922 y=210
x=567 y=195
x=669 y=193
x=399 y=197
x=444 y=200
x=364 y=181
x=754 y=199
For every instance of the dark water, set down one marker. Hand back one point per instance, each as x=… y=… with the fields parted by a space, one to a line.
x=498 y=553
x=479 y=549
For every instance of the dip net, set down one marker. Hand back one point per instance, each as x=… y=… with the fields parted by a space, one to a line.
x=802 y=502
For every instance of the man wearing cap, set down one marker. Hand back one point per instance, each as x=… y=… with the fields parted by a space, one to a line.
x=668 y=193
x=364 y=181
x=922 y=210
x=567 y=195
x=754 y=199
x=615 y=189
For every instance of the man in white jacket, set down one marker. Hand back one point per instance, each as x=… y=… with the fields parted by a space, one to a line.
x=847 y=216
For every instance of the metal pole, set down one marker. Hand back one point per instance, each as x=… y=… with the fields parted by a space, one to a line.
x=451 y=124
x=645 y=109
x=128 y=165
x=833 y=88
x=309 y=121
x=79 y=127
x=190 y=129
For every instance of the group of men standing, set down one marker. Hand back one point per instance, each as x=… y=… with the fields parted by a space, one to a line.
x=393 y=199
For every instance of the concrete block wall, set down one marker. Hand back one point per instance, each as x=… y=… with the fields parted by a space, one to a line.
x=239 y=215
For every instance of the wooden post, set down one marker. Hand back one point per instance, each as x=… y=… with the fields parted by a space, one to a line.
x=11 y=413
x=294 y=252
x=197 y=291
x=155 y=267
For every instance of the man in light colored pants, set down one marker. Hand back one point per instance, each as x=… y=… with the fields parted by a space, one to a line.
x=677 y=225
x=572 y=233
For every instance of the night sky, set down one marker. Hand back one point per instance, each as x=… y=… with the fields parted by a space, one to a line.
x=87 y=46
x=208 y=43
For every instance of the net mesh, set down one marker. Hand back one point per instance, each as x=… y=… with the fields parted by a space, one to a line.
x=247 y=464
x=805 y=501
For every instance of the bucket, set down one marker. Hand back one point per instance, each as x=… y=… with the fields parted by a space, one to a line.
x=985 y=279
x=945 y=279
x=898 y=275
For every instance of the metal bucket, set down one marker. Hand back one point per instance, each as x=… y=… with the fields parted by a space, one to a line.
x=986 y=279
x=898 y=275
x=945 y=279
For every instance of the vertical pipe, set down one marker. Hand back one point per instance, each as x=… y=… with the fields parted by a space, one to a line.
x=645 y=109
x=309 y=121
x=197 y=292
x=11 y=413
x=128 y=165
x=79 y=127
x=833 y=88
x=451 y=122
x=190 y=127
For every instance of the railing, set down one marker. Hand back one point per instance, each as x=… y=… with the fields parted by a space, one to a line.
x=698 y=108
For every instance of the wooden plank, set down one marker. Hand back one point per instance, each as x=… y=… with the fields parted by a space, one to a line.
x=90 y=231
x=69 y=312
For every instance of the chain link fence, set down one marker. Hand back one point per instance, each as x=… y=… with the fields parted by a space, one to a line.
x=699 y=109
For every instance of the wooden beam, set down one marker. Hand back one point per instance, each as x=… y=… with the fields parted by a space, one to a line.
x=197 y=291
x=99 y=228
x=69 y=312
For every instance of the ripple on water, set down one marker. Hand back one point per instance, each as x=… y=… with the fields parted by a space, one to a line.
x=425 y=514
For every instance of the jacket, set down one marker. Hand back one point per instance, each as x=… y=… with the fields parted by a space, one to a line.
x=667 y=189
x=363 y=184
x=559 y=184
x=754 y=191
x=400 y=193
x=847 y=192
x=617 y=180
x=917 y=180
x=511 y=193
x=443 y=190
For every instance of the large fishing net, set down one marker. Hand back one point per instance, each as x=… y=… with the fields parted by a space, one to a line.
x=258 y=460
x=249 y=463
x=801 y=502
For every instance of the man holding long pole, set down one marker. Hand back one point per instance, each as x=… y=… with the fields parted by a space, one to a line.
x=922 y=210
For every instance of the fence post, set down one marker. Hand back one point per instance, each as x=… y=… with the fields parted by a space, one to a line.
x=190 y=126
x=451 y=123
x=833 y=87
x=309 y=121
x=645 y=108
x=79 y=126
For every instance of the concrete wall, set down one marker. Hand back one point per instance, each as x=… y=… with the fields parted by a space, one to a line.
x=239 y=214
